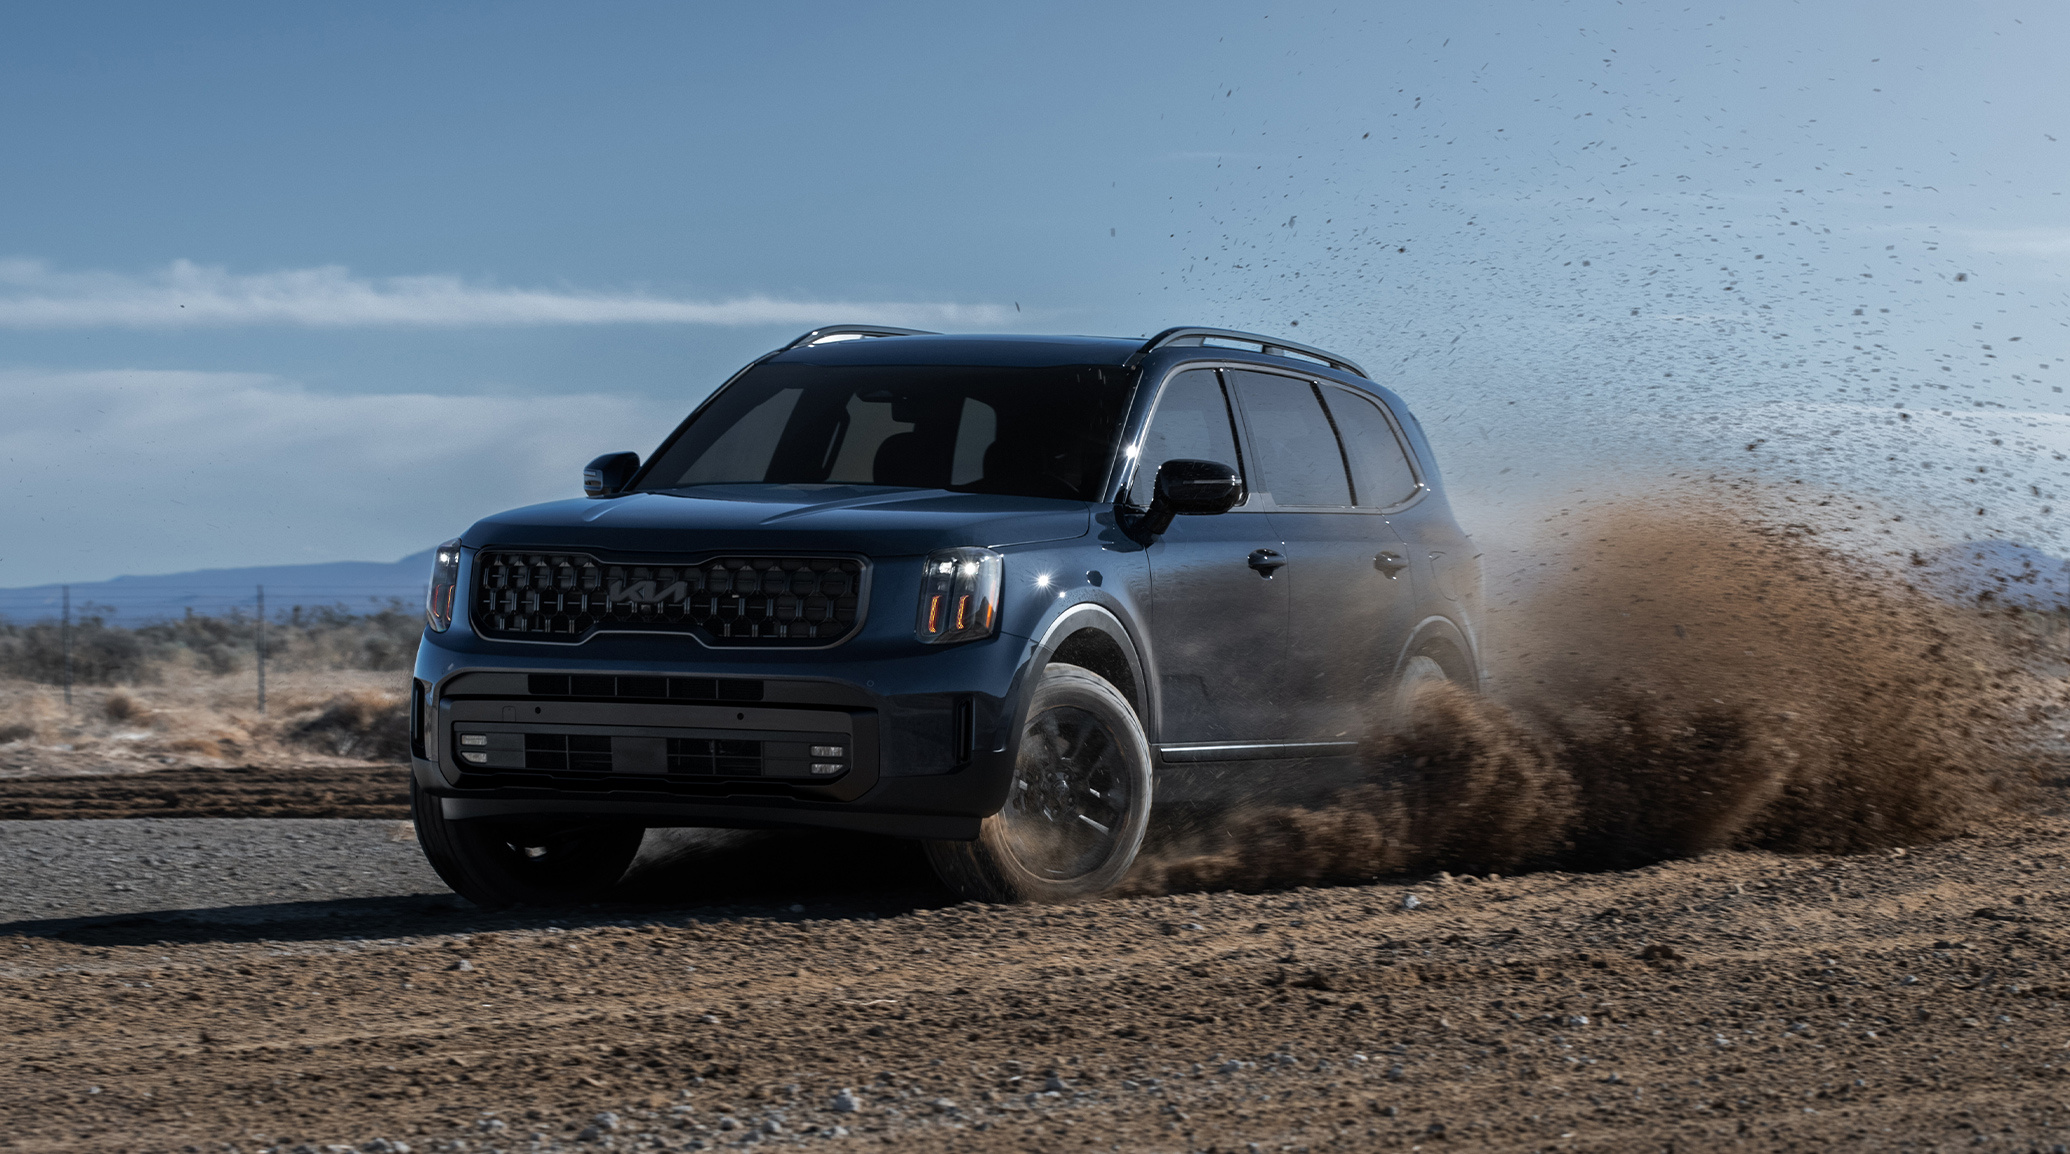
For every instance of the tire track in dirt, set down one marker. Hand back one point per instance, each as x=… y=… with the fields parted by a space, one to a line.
x=351 y=791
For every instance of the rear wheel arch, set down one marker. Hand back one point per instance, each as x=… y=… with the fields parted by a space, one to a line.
x=1441 y=640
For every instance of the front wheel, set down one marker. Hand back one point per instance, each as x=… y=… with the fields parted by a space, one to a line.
x=1079 y=805
x=530 y=863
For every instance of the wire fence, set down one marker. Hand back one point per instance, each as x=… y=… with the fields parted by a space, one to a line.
x=154 y=603
x=214 y=631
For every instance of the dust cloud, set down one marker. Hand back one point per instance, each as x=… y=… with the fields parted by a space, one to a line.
x=1686 y=675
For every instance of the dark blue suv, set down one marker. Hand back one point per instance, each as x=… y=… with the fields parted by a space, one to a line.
x=991 y=592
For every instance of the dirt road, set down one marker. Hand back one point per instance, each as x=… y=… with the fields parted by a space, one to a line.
x=1912 y=1000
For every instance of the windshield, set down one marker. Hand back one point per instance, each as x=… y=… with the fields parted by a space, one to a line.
x=1040 y=432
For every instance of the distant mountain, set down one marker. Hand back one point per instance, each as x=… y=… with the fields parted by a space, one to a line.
x=359 y=586
x=1995 y=571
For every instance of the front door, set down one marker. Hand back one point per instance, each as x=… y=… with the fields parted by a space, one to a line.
x=1218 y=610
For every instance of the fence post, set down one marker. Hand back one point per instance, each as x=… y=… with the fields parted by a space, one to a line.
x=65 y=631
x=262 y=650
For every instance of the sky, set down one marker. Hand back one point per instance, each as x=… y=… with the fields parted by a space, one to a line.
x=287 y=283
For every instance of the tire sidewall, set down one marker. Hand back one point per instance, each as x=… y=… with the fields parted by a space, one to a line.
x=1070 y=686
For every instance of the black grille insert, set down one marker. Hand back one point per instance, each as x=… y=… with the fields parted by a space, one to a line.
x=502 y=758
x=650 y=688
x=710 y=757
x=570 y=752
x=773 y=601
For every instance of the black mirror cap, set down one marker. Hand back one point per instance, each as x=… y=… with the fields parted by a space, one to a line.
x=1193 y=487
x=607 y=475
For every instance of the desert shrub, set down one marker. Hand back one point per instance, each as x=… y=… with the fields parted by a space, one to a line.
x=298 y=638
x=368 y=725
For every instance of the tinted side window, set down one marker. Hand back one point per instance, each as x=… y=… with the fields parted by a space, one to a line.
x=1299 y=460
x=1380 y=473
x=1192 y=420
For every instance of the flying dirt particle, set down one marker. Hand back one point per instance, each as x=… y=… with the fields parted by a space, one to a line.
x=1824 y=706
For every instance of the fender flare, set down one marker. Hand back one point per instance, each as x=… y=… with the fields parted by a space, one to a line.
x=1095 y=616
x=1442 y=640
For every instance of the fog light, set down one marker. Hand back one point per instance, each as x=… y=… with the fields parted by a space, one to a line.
x=826 y=751
x=476 y=758
x=825 y=768
x=474 y=739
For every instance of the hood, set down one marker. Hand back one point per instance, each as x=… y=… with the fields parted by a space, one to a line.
x=863 y=519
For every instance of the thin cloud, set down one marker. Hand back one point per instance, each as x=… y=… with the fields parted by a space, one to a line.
x=188 y=295
x=153 y=471
x=2029 y=241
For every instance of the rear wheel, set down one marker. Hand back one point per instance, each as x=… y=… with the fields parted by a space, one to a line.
x=531 y=863
x=1432 y=663
x=1080 y=801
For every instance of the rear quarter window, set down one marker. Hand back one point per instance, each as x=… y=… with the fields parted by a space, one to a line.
x=1381 y=475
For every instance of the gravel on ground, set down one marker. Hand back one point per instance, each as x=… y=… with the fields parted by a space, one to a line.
x=85 y=869
x=782 y=990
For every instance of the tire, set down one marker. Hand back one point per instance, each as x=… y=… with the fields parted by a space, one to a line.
x=535 y=863
x=1075 y=815
x=1431 y=663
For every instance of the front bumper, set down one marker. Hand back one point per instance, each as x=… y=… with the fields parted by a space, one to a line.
x=646 y=730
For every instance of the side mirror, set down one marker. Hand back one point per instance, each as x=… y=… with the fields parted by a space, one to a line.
x=1197 y=487
x=608 y=474
x=1192 y=488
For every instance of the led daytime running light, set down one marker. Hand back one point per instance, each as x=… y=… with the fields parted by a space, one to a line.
x=959 y=595
x=445 y=587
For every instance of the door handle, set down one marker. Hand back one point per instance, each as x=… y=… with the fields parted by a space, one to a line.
x=1390 y=564
x=1266 y=562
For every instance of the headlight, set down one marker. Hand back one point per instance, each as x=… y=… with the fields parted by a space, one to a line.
x=445 y=586
x=959 y=596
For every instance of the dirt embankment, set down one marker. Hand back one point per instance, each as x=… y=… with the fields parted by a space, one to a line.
x=349 y=790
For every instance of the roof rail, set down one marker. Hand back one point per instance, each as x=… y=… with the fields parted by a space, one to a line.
x=1270 y=346
x=852 y=332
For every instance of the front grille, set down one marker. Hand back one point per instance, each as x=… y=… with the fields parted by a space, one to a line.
x=772 y=601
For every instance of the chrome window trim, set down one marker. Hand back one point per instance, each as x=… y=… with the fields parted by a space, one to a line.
x=1132 y=453
x=1272 y=504
x=1401 y=441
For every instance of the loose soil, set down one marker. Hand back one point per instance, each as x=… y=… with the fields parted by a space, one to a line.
x=1914 y=999
x=338 y=789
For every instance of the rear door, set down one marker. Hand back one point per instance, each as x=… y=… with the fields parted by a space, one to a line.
x=1330 y=465
x=1217 y=623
